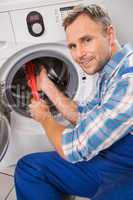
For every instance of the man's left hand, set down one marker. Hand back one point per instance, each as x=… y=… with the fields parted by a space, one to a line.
x=39 y=110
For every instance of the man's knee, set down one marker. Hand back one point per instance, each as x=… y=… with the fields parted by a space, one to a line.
x=21 y=165
x=34 y=164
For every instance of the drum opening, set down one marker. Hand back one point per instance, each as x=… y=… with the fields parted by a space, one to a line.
x=61 y=71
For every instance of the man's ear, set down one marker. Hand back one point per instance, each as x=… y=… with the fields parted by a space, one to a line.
x=111 y=34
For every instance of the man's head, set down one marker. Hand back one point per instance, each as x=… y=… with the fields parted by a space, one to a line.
x=91 y=37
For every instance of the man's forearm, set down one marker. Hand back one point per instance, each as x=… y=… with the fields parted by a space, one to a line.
x=65 y=106
x=54 y=132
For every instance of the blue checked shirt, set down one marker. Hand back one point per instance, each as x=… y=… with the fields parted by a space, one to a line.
x=108 y=116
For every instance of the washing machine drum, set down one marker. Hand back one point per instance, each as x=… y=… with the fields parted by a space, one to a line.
x=4 y=134
x=60 y=70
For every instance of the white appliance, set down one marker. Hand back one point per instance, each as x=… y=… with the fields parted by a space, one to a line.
x=32 y=31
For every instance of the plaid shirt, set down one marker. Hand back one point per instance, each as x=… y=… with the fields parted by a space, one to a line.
x=108 y=116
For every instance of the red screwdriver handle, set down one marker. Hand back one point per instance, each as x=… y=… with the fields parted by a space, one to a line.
x=31 y=80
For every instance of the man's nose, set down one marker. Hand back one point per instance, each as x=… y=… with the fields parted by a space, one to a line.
x=80 y=51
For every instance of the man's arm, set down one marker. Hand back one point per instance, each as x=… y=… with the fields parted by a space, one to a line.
x=40 y=112
x=65 y=106
x=54 y=132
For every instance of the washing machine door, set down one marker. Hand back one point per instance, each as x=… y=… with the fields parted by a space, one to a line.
x=4 y=134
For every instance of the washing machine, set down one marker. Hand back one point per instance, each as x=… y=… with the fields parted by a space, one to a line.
x=32 y=32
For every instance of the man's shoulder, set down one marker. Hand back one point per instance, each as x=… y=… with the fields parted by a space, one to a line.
x=127 y=68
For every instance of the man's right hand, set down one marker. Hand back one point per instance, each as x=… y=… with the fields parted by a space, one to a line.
x=64 y=105
x=41 y=79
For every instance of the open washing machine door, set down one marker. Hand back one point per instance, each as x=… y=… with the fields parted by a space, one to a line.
x=4 y=134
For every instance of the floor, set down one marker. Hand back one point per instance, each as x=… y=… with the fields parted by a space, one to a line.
x=7 y=191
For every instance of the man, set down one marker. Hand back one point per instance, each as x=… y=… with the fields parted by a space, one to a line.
x=94 y=159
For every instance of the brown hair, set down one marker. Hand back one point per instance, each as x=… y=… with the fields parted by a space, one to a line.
x=95 y=12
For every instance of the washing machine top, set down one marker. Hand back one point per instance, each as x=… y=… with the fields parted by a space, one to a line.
x=6 y=5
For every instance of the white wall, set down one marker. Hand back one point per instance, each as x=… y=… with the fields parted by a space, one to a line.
x=122 y=16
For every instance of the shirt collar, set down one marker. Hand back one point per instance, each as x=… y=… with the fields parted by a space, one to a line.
x=115 y=60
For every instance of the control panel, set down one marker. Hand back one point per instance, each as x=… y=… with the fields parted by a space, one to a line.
x=41 y=24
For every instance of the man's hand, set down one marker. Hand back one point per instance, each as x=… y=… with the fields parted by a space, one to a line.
x=42 y=79
x=64 y=105
x=39 y=110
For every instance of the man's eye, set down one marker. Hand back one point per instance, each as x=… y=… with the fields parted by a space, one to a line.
x=88 y=40
x=73 y=46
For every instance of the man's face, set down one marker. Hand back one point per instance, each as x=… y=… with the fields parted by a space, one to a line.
x=89 y=45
